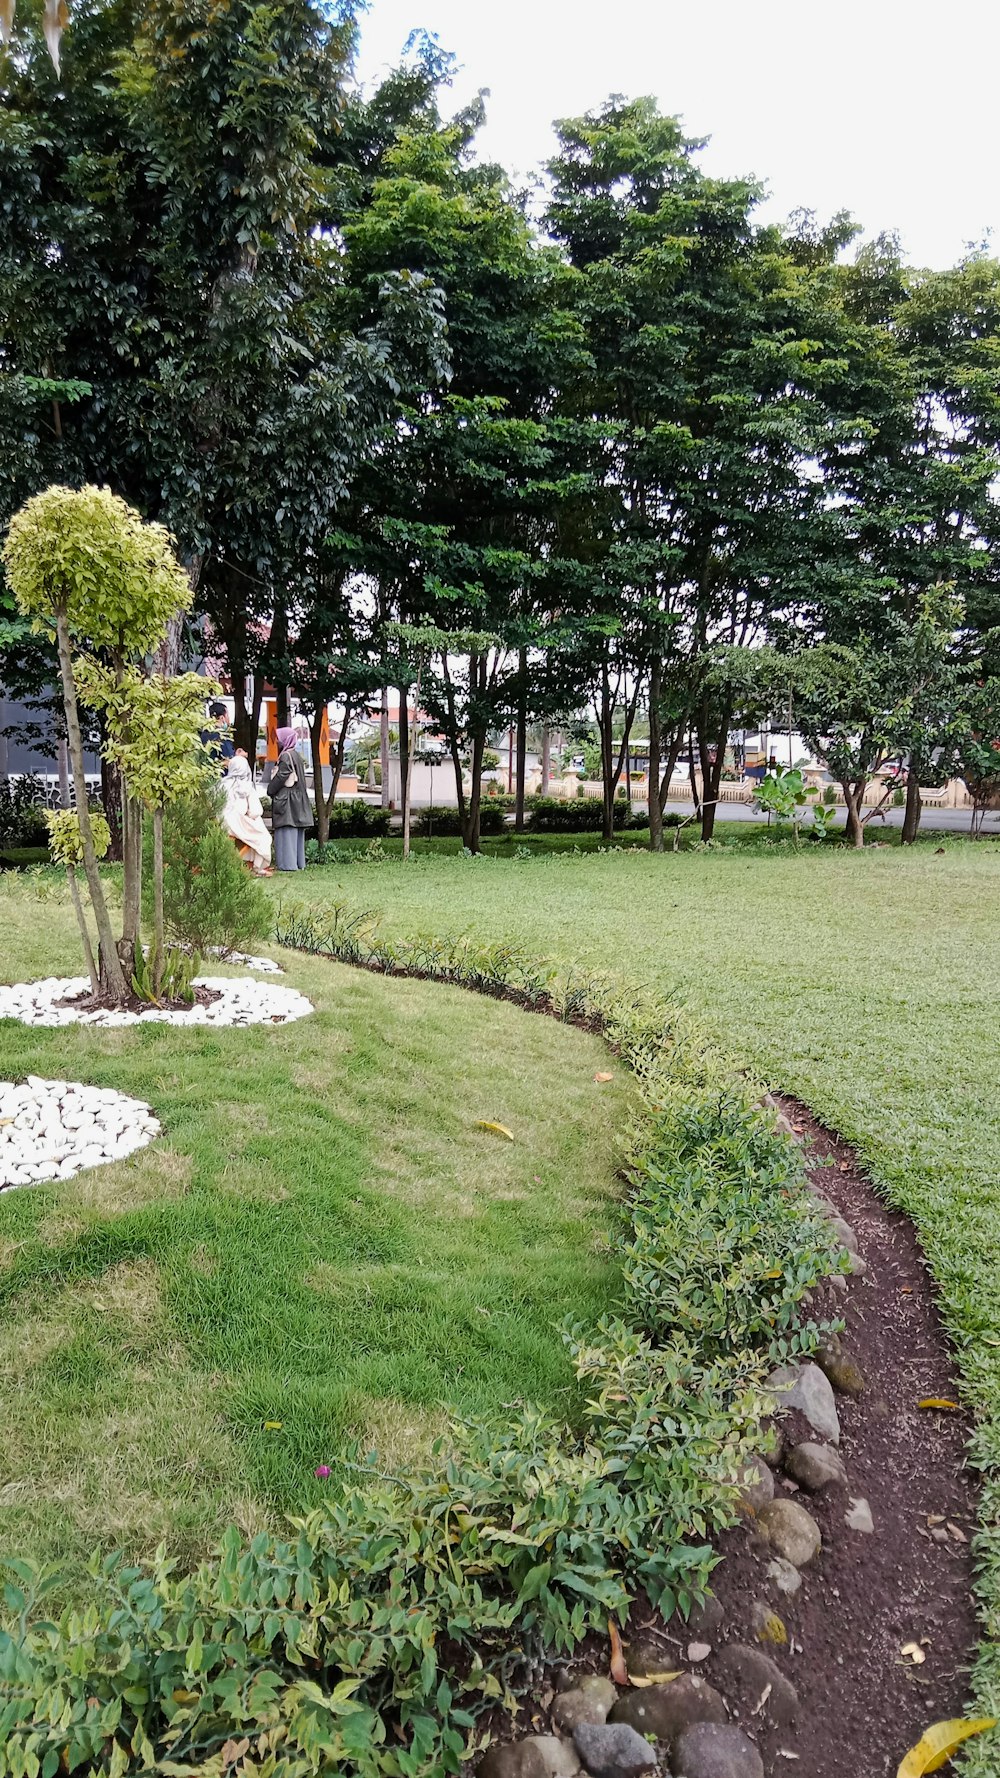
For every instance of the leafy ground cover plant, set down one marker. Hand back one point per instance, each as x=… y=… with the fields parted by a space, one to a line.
x=375 y=1635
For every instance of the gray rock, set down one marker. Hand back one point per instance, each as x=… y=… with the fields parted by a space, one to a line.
x=715 y=1750
x=546 y=1756
x=841 y=1369
x=785 y=1576
x=859 y=1517
x=698 y=1651
x=588 y=1701
x=613 y=1750
x=756 y=1485
x=844 y=1233
x=767 y=1625
x=816 y=1467
x=805 y=1388
x=791 y=1531
x=537 y=1756
x=663 y=1710
x=745 y=1673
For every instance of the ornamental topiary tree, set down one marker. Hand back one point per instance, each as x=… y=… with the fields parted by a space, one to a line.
x=83 y=566
x=152 y=730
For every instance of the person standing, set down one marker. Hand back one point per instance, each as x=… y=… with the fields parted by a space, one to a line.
x=291 y=809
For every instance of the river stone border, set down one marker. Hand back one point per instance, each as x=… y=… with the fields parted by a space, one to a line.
x=242 y=1000
x=51 y=1129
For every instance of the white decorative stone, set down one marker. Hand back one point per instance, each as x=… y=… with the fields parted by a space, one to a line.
x=42 y=1145
x=242 y=1000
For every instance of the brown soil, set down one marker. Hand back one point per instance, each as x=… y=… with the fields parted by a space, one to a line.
x=88 y=1002
x=861 y=1703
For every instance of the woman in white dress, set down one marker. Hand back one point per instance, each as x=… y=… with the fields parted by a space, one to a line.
x=243 y=816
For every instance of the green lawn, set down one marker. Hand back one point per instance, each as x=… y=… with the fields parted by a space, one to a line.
x=869 y=984
x=322 y=1238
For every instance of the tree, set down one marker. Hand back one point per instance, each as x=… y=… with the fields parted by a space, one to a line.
x=153 y=725
x=83 y=565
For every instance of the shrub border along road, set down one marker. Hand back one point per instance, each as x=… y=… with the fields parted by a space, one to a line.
x=374 y=1637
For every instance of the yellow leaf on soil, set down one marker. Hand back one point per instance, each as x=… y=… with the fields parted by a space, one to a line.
x=939 y=1401
x=619 y=1671
x=913 y=1653
x=939 y=1743
x=497 y=1129
x=654 y=1678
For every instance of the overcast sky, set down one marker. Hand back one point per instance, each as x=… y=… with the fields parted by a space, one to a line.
x=886 y=108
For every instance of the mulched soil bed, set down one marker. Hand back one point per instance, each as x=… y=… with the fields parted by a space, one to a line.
x=862 y=1704
x=132 y=1003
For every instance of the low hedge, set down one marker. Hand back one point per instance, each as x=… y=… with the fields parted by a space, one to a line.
x=580 y=814
x=372 y=1637
x=445 y=822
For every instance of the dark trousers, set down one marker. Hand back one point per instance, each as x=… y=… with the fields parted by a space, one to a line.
x=290 y=848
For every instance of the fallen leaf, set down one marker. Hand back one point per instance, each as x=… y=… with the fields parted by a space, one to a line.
x=935 y=1518
x=912 y=1652
x=939 y=1401
x=4 y=1121
x=273 y=1425
x=605 y=1074
x=618 y=1669
x=957 y=1534
x=939 y=1742
x=762 y=1700
x=497 y=1129
x=658 y=1678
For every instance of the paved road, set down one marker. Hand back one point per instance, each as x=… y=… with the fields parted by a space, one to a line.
x=933 y=820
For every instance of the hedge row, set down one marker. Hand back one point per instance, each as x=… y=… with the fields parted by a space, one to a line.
x=372 y=1638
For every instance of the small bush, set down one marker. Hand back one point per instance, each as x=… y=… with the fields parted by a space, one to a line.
x=445 y=822
x=583 y=814
x=22 y=813
x=358 y=820
x=210 y=899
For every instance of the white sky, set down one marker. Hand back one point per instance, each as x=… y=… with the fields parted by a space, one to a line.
x=886 y=108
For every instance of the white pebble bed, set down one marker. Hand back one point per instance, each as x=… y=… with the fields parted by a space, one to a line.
x=243 y=960
x=242 y=1001
x=51 y=1129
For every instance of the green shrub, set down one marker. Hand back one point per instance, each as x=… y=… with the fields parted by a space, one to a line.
x=358 y=820
x=210 y=899
x=582 y=814
x=445 y=821
x=22 y=813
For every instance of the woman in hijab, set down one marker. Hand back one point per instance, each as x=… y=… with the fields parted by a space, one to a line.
x=291 y=809
x=243 y=816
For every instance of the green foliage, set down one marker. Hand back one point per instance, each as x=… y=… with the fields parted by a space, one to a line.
x=581 y=814
x=152 y=728
x=444 y=821
x=65 y=843
x=210 y=899
x=416 y=1601
x=22 y=813
x=168 y=978
x=86 y=553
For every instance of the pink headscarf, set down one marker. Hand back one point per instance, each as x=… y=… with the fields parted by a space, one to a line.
x=286 y=739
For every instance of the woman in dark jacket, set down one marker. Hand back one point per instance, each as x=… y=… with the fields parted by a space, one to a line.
x=291 y=809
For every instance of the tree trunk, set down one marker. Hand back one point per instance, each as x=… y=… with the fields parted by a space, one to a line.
x=110 y=981
x=604 y=721
x=114 y=813
x=852 y=798
x=337 y=763
x=404 y=761
x=654 y=805
x=319 y=794
x=522 y=738
x=470 y=824
x=157 y=901
x=911 y=819
x=546 y=758
x=711 y=771
x=63 y=757
x=88 y=950
x=132 y=892
x=695 y=798
x=383 y=745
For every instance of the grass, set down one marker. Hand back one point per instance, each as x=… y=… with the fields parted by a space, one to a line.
x=868 y=984
x=322 y=1238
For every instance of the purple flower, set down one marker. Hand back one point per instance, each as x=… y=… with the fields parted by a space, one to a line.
x=322 y=1471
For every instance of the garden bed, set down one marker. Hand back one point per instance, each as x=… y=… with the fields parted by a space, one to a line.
x=220 y=1001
